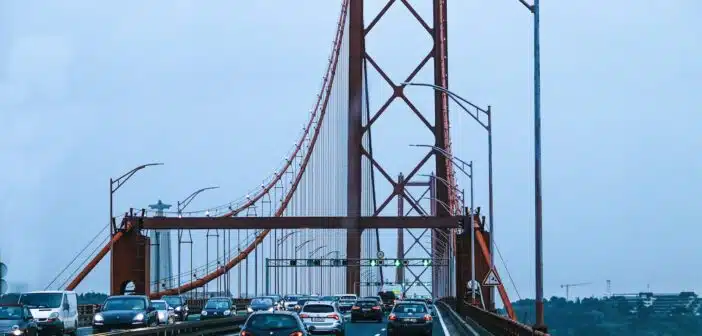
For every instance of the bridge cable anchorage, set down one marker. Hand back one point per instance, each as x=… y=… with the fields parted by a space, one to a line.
x=294 y=185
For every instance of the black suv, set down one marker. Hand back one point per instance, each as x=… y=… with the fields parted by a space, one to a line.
x=179 y=304
x=124 y=312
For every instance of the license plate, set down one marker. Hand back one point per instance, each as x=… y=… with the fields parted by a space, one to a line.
x=317 y=319
x=366 y=309
x=411 y=320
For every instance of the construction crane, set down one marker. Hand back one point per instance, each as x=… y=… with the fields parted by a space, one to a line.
x=567 y=287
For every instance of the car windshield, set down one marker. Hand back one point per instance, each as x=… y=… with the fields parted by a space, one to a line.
x=217 y=304
x=409 y=308
x=318 y=308
x=159 y=305
x=291 y=298
x=272 y=322
x=10 y=313
x=174 y=301
x=41 y=300
x=262 y=302
x=272 y=298
x=125 y=304
x=329 y=298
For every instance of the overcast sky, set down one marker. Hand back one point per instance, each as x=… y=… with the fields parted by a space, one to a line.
x=90 y=89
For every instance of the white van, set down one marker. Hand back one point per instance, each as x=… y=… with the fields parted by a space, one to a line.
x=56 y=312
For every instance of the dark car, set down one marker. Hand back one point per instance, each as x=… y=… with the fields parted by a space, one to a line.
x=17 y=320
x=301 y=302
x=124 y=312
x=218 y=308
x=179 y=305
x=410 y=318
x=367 y=309
x=276 y=323
x=261 y=304
x=376 y=298
x=388 y=298
x=428 y=302
x=277 y=300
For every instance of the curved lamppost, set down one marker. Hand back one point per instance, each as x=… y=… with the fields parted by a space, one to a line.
x=115 y=184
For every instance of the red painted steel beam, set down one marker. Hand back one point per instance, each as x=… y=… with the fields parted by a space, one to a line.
x=204 y=223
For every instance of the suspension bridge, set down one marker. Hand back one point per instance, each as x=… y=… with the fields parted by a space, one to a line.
x=319 y=223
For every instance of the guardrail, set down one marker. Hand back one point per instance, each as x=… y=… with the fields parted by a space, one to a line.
x=87 y=311
x=461 y=326
x=207 y=327
x=494 y=323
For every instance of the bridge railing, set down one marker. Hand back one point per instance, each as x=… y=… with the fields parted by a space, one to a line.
x=494 y=323
x=87 y=311
x=209 y=327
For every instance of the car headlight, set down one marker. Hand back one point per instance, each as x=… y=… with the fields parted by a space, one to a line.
x=98 y=318
x=203 y=313
x=54 y=316
x=178 y=308
x=227 y=312
x=161 y=315
x=270 y=309
x=16 y=330
x=139 y=317
x=248 y=309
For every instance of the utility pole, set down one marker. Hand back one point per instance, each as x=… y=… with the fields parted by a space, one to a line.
x=568 y=286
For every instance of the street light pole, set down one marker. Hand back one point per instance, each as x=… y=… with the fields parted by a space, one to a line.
x=538 y=219
x=115 y=184
x=181 y=205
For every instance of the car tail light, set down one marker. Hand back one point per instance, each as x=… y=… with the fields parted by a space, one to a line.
x=376 y=308
x=334 y=316
x=392 y=317
x=246 y=333
x=304 y=316
x=427 y=317
x=355 y=308
x=297 y=333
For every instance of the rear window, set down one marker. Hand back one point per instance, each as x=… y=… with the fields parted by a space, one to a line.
x=366 y=303
x=409 y=308
x=348 y=298
x=318 y=308
x=272 y=322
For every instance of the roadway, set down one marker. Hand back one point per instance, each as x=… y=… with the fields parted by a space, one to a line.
x=352 y=329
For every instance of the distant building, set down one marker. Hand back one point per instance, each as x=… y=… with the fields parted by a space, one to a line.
x=663 y=304
x=18 y=287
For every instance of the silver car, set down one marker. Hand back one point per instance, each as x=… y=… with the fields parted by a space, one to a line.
x=322 y=317
x=166 y=315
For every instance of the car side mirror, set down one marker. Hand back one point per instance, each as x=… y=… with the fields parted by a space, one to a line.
x=150 y=309
x=98 y=309
x=433 y=313
x=28 y=318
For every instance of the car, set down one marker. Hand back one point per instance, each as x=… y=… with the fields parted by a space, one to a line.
x=276 y=300
x=54 y=311
x=277 y=322
x=16 y=319
x=367 y=309
x=346 y=301
x=323 y=317
x=301 y=302
x=124 y=312
x=166 y=314
x=218 y=307
x=410 y=318
x=289 y=302
x=377 y=298
x=179 y=305
x=261 y=304
x=388 y=298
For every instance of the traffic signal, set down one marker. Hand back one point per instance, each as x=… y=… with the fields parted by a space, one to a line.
x=398 y=263
x=293 y=262
x=344 y=262
x=373 y=263
x=426 y=262
x=317 y=262
x=336 y=262
x=310 y=262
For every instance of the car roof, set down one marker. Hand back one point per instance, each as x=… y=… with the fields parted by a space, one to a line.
x=158 y=301
x=50 y=292
x=126 y=296
x=326 y=303
x=275 y=312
